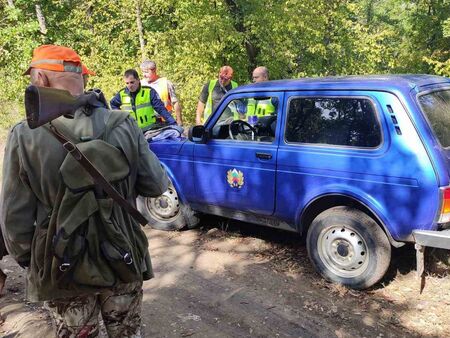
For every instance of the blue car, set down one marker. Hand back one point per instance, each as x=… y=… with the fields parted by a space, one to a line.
x=357 y=164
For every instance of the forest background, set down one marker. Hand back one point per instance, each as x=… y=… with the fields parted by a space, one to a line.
x=191 y=39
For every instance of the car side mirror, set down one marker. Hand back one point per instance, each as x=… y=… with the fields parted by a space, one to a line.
x=197 y=134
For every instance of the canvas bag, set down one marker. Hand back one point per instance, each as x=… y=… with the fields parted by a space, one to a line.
x=90 y=248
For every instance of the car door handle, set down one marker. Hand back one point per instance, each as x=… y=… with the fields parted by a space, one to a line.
x=264 y=156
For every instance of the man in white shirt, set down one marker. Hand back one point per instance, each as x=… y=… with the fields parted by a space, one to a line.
x=163 y=86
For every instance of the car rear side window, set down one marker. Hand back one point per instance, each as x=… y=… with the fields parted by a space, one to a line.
x=436 y=106
x=334 y=121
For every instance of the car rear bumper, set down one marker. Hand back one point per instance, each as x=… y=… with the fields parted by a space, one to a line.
x=429 y=238
x=433 y=238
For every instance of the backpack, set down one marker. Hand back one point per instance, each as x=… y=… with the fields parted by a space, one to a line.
x=91 y=246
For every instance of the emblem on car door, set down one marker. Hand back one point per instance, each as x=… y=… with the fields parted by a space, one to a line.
x=235 y=178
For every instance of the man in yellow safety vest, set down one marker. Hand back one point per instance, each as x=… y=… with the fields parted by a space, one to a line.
x=260 y=107
x=142 y=102
x=212 y=93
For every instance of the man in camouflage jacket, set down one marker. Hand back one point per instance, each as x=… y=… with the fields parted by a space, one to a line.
x=32 y=189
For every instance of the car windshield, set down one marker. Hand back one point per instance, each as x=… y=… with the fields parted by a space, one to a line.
x=436 y=106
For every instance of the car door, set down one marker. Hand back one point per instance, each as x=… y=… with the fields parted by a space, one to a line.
x=237 y=171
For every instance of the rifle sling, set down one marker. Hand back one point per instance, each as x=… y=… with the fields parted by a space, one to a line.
x=97 y=176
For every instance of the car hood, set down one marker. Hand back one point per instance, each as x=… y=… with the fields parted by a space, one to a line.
x=167 y=147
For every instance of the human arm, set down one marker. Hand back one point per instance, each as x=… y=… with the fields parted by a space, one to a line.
x=175 y=103
x=151 y=178
x=18 y=203
x=148 y=176
x=201 y=104
x=199 y=112
x=116 y=101
x=159 y=107
x=177 y=108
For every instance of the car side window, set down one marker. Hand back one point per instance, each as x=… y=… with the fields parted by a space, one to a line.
x=248 y=119
x=334 y=121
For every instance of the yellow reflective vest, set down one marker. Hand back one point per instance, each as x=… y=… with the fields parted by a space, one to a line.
x=163 y=92
x=260 y=107
x=144 y=114
x=208 y=108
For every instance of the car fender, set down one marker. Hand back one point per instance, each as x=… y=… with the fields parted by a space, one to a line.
x=175 y=183
x=355 y=194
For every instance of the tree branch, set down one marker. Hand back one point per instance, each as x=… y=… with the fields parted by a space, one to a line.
x=251 y=49
x=41 y=19
x=140 y=30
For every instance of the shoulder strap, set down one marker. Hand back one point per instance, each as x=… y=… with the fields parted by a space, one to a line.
x=97 y=176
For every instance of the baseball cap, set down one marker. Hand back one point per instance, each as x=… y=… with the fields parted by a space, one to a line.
x=56 y=58
x=86 y=71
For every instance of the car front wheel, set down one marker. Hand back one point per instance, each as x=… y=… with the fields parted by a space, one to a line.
x=346 y=246
x=166 y=212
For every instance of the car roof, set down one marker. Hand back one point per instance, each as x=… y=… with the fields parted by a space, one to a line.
x=357 y=82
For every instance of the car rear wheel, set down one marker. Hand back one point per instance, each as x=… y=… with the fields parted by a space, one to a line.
x=346 y=246
x=167 y=212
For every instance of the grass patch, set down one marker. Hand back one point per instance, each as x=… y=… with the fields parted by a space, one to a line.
x=11 y=113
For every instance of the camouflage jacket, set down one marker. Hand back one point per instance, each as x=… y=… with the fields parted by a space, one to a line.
x=32 y=190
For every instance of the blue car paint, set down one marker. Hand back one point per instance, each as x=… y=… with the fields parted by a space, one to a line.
x=398 y=181
x=389 y=175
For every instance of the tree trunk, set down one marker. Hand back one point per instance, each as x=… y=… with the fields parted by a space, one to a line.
x=89 y=12
x=41 y=20
x=140 y=30
x=251 y=49
x=11 y=3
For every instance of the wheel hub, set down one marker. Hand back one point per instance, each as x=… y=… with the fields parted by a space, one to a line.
x=166 y=206
x=163 y=203
x=343 y=251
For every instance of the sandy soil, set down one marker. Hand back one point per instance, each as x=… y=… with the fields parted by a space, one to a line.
x=231 y=279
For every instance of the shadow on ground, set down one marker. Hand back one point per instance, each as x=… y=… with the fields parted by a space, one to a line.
x=224 y=278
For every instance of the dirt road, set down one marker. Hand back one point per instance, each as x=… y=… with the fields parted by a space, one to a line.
x=251 y=281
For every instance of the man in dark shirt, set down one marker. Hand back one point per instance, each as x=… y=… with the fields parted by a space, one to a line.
x=142 y=102
x=212 y=93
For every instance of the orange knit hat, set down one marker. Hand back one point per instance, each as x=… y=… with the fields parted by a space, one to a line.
x=56 y=58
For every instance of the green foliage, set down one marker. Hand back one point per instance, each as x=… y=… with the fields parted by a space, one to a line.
x=16 y=41
x=191 y=39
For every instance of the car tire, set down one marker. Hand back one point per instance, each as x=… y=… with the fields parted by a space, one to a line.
x=348 y=247
x=167 y=212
